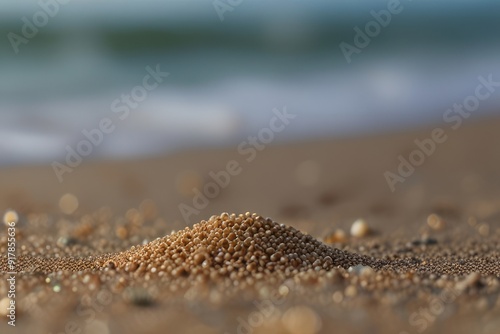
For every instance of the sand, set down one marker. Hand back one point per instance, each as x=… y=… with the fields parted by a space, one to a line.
x=108 y=250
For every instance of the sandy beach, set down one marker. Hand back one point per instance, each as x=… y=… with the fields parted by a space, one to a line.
x=109 y=250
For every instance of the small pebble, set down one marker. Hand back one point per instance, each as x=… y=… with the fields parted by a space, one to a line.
x=121 y=232
x=435 y=222
x=484 y=229
x=339 y=236
x=10 y=216
x=68 y=204
x=360 y=229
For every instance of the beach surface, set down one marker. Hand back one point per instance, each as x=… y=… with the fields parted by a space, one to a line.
x=114 y=247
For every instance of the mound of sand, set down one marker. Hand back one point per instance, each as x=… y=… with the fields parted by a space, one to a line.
x=235 y=246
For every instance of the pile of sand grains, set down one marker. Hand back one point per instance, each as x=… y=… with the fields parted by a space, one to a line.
x=235 y=246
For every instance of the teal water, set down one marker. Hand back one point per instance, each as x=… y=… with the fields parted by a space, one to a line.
x=226 y=77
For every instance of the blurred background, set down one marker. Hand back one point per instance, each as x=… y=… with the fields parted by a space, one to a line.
x=227 y=75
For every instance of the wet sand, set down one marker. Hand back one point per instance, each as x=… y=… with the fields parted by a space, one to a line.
x=117 y=256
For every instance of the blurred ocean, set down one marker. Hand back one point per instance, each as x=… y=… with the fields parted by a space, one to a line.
x=226 y=77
